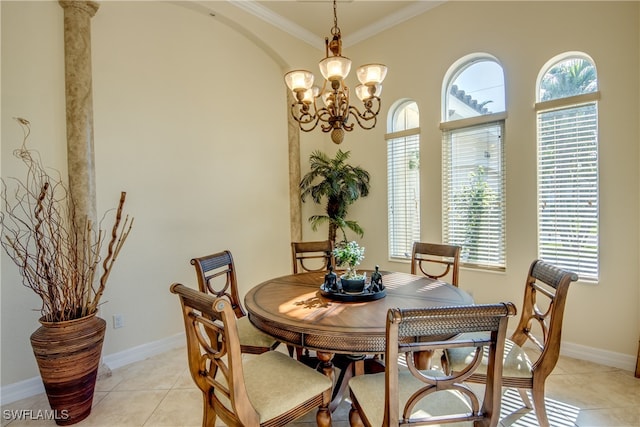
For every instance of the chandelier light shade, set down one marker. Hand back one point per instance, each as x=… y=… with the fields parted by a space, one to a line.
x=337 y=115
x=299 y=80
x=335 y=68
x=371 y=74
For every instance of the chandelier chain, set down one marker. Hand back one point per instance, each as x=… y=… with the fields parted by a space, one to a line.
x=335 y=30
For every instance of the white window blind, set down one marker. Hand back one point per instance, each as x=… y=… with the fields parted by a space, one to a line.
x=474 y=193
x=403 y=178
x=568 y=188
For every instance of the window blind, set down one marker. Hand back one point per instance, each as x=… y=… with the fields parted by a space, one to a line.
x=474 y=193
x=568 y=188
x=403 y=179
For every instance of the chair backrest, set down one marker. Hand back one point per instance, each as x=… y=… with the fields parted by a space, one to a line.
x=426 y=329
x=215 y=360
x=312 y=256
x=542 y=312
x=217 y=276
x=436 y=260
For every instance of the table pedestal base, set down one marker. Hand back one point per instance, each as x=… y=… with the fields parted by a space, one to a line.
x=348 y=365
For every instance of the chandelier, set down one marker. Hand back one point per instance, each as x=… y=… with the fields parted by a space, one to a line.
x=337 y=115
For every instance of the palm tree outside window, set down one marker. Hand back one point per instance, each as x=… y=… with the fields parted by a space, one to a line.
x=568 y=200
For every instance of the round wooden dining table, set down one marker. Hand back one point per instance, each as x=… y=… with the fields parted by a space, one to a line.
x=294 y=310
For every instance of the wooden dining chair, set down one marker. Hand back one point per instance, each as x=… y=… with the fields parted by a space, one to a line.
x=436 y=260
x=216 y=275
x=312 y=256
x=269 y=389
x=540 y=324
x=405 y=395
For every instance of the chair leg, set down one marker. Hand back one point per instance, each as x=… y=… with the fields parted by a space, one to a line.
x=291 y=349
x=537 y=393
x=323 y=417
x=209 y=415
x=354 y=417
x=423 y=359
x=525 y=398
x=444 y=363
x=638 y=362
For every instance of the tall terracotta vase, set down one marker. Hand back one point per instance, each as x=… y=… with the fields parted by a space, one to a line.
x=68 y=355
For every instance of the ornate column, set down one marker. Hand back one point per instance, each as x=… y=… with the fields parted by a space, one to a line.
x=79 y=99
x=295 y=205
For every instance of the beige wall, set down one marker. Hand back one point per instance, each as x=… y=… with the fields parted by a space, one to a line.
x=192 y=135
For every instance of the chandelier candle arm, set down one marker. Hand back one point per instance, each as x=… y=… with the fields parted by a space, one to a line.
x=337 y=111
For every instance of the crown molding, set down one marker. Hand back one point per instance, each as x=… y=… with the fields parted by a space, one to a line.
x=390 y=21
x=276 y=20
x=292 y=28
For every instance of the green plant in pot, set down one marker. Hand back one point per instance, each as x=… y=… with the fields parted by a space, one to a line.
x=66 y=261
x=341 y=184
x=350 y=254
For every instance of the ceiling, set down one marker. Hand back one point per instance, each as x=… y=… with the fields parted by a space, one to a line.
x=312 y=20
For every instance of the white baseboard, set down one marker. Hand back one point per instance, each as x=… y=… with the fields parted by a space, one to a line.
x=626 y=362
x=21 y=390
x=143 y=351
x=33 y=386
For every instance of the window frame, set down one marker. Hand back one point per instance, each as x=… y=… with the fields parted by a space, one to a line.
x=491 y=119
x=401 y=136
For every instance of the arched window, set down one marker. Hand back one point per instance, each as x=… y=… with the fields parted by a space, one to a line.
x=403 y=178
x=473 y=168
x=567 y=111
x=475 y=88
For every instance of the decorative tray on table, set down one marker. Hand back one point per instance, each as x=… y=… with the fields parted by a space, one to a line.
x=371 y=288
x=367 y=294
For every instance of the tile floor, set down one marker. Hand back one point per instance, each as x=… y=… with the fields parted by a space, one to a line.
x=158 y=392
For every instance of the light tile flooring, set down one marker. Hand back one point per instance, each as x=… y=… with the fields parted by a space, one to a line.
x=158 y=392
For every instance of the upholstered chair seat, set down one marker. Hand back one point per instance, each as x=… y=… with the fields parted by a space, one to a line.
x=276 y=386
x=253 y=338
x=367 y=388
x=515 y=363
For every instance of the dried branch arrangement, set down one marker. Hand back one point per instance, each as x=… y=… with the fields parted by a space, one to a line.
x=60 y=257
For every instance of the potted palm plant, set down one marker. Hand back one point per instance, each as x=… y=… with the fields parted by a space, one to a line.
x=341 y=184
x=61 y=259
